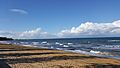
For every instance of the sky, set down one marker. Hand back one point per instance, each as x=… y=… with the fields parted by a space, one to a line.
x=59 y=18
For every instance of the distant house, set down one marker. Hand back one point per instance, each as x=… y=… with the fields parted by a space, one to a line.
x=5 y=38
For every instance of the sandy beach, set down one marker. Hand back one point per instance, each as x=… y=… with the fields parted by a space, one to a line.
x=14 y=56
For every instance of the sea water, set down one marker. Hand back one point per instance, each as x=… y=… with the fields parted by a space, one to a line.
x=103 y=47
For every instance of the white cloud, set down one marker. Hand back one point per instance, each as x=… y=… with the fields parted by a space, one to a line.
x=37 y=33
x=21 y=11
x=31 y=34
x=8 y=34
x=90 y=29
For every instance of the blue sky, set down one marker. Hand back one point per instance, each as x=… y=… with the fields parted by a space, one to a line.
x=53 y=16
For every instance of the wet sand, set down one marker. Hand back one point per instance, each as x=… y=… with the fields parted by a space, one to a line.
x=14 y=56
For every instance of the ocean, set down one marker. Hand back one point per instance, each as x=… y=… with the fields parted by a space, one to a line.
x=101 y=46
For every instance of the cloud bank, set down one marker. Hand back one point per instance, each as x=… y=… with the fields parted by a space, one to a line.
x=90 y=29
x=87 y=29
x=20 y=11
x=31 y=34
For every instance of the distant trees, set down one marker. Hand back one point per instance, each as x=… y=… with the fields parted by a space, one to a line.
x=5 y=38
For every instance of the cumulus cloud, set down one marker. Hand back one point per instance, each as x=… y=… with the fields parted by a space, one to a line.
x=8 y=34
x=90 y=29
x=31 y=34
x=37 y=33
x=21 y=11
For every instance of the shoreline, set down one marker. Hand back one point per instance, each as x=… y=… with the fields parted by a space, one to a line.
x=66 y=47
x=31 y=57
x=78 y=51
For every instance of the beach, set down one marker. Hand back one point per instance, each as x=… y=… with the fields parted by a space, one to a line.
x=15 y=56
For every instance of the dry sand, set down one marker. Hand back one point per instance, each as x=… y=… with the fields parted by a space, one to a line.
x=13 y=56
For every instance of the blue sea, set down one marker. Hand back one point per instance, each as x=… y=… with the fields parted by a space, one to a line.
x=102 y=47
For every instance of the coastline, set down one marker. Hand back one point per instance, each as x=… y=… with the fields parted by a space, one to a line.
x=32 y=57
x=78 y=51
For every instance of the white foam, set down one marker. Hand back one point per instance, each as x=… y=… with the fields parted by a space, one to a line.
x=4 y=42
x=59 y=48
x=57 y=43
x=22 y=42
x=44 y=42
x=65 y=46
x=35 y=43
x=61 y=44
x=69 y=43
x=95 y=51
x=51 y=47
x=28 y=45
